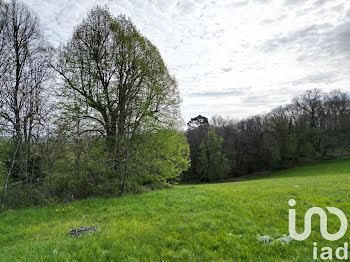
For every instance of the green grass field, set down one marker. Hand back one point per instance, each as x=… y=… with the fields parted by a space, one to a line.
x=213 y=222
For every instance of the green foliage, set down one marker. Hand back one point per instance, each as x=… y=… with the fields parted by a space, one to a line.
x=5 y=156
x=213 y=222
x=158 y=158
x=213 y=164
x=316 y=126
x=271 y=151
x=116 y=84
x=83 y=174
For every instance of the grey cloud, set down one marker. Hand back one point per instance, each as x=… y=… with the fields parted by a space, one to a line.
x=241 y=3
x=261 y=100
x=327 y=78
x=227 y=92
x=341 y=36
x=293 y=2
x=273 y=20
x=315 y=42
x=262 y=1
x=320 y=3
x=338 y=8
x=309 y=35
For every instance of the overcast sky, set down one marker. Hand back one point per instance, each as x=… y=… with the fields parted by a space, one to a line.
x=231 y=57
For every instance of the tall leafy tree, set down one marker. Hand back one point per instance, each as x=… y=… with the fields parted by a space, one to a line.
x=121 y=81
x=197 y=129
x=212 y=163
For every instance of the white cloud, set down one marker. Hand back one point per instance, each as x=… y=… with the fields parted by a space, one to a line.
x=233 y=58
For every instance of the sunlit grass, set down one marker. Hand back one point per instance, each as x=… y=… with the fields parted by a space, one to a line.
x=214 y=222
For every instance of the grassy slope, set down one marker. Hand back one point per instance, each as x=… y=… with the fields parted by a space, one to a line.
x=187 y=223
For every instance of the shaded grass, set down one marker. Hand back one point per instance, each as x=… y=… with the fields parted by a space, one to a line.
x=213 y=222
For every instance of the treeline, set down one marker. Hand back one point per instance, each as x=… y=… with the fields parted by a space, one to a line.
x=98 y=116
x=315 y=126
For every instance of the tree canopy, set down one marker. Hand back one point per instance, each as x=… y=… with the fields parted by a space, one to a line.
x=120 y=81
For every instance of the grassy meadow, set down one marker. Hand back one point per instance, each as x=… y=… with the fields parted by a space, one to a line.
x=211 y=222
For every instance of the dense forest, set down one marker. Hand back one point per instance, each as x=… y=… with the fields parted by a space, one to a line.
x=100 y=116
x=315 y=126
